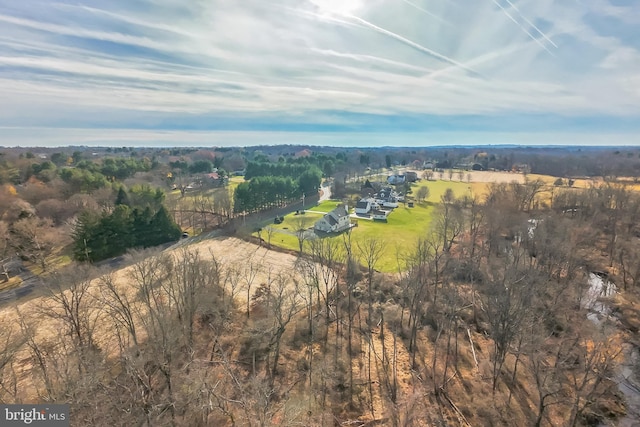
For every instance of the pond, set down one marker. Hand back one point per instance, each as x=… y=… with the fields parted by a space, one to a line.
x=628 y=373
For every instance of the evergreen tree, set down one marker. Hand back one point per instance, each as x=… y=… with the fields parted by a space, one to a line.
x=122 y=198
x=163 y=229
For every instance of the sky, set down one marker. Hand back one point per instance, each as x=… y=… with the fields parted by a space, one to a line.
x=323 y=72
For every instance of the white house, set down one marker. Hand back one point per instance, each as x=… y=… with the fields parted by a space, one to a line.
x=335 y=221
x=363 y=207
x=387 y=198
x=380 y=215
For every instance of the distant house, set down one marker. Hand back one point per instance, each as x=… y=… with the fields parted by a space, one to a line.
x=363 y=207
x=335 y=221
x=396 y=179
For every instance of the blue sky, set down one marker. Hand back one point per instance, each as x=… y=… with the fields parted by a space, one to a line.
x=336 y=72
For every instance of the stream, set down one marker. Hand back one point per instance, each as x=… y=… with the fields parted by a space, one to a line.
x=628 y=373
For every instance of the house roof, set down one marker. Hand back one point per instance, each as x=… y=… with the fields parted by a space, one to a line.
x=362 y=204
x=330 y=219
x=340 y=211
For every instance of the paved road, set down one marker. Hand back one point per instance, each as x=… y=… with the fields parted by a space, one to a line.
x=326 y=192
x=32 y=283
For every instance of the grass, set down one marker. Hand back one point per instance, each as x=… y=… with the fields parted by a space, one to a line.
x=326 y=206
x=460 y=189
x=402 y=229
x=399 y=234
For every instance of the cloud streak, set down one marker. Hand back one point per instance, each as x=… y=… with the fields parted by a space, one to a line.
x=191 y=65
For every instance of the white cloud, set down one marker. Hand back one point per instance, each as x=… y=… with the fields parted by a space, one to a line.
x=170 y=59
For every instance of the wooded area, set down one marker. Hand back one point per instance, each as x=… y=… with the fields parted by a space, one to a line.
x=483 y=323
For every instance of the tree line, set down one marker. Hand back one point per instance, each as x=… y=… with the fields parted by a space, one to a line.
x=280 y=188
x=137 y=221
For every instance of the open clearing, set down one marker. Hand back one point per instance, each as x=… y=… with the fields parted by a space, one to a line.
x=402 y=229
x=405 y=225
x=230 y=252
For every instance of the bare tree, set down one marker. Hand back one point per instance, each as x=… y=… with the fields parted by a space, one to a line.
x=301 y=223
x=223 y=203
x=282 y=304
x=249 y=272
x=449 y=220
x=370 y=250
x=190 y=276
x=10 y=343
x=119 y=308
x=71 y=303
x=428 y=175
x=34 y=238
x=270 y=231
x=326 y=256
x=508 y=300
x=422 y=194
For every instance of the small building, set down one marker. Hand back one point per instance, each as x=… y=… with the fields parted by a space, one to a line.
x=335 y=221
x=396 y=179
x=379 y=215
x=363 y=207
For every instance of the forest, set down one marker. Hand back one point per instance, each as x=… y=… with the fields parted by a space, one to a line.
x=485 y=322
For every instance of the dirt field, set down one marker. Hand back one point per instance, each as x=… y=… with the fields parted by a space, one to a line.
x=230 y=252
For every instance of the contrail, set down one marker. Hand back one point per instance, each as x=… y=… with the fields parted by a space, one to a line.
x=515 y=21
x=489 y=56
x=531 y=23
x=433 y=15
x=411 y=43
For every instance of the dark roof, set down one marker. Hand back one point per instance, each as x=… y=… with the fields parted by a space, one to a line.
x=340 y=211
x=330 y=219
x=362 y=204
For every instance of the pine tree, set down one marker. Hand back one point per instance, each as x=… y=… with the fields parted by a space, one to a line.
x=122 y=198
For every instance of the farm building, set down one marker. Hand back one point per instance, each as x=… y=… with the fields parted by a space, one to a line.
x=335 y=221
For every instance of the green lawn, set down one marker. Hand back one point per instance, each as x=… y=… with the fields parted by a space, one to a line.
x=399 y=234
x=325 y=206
x=401 y=231
x=460 y=189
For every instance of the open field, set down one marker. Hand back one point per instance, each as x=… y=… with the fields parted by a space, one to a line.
x=402 y=229
x=232 y=253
